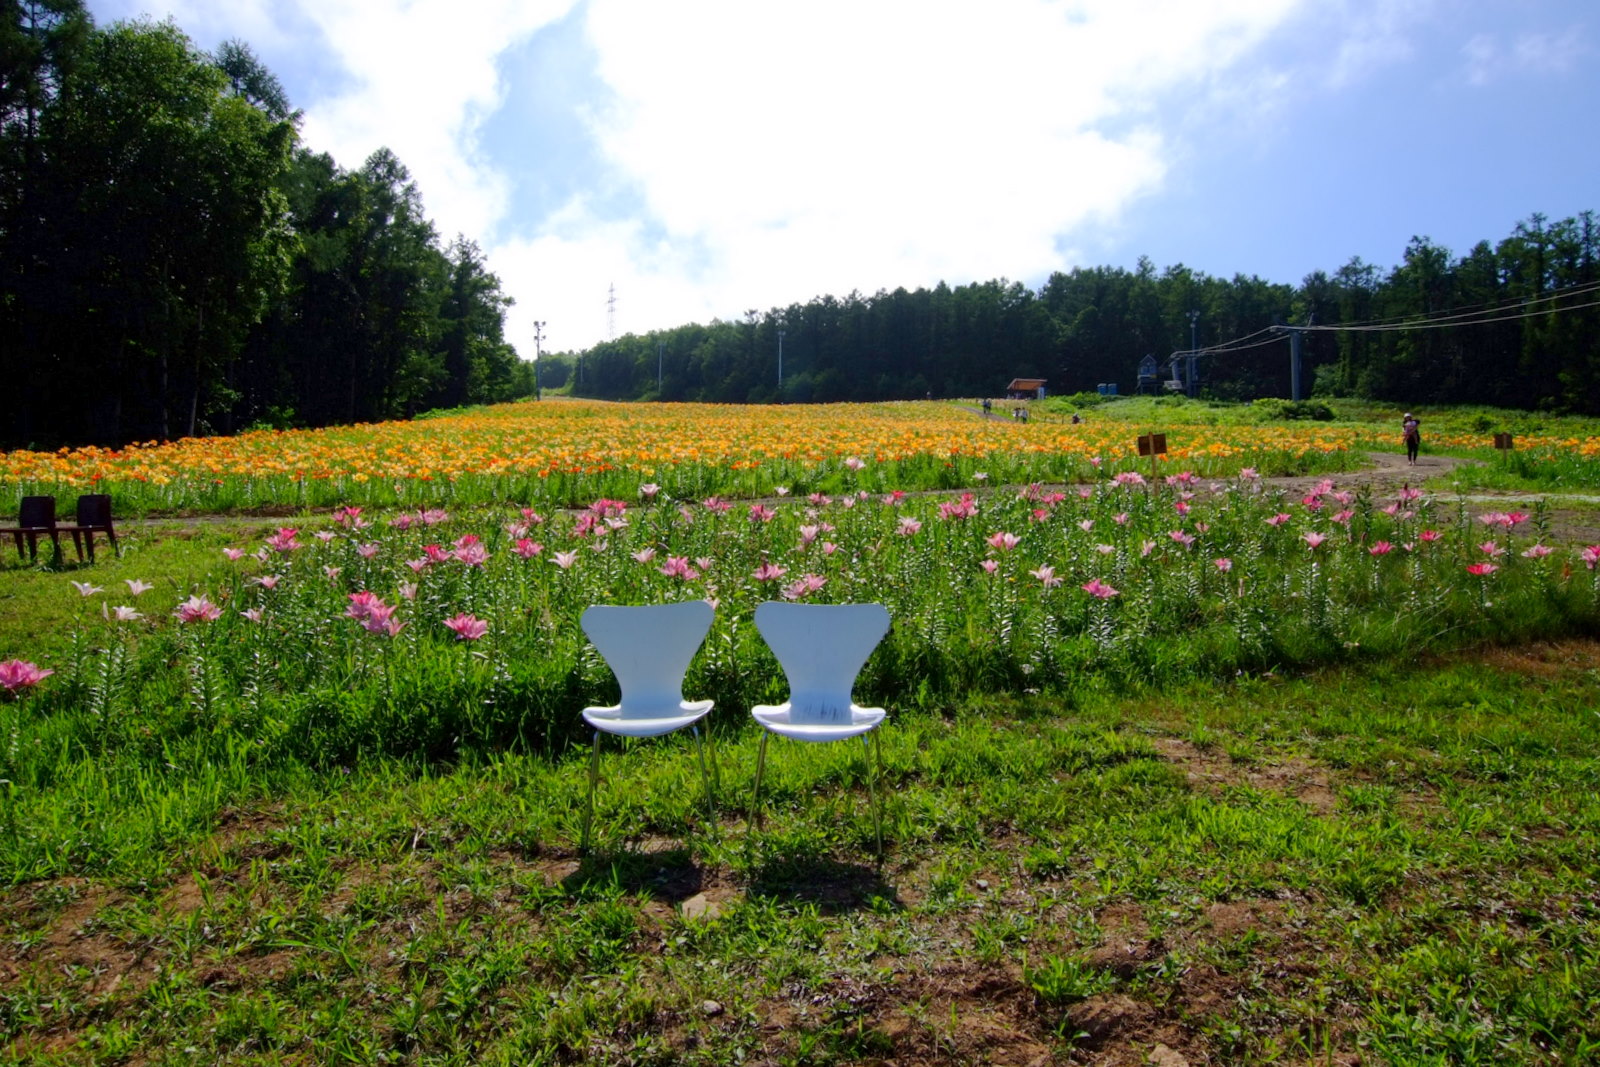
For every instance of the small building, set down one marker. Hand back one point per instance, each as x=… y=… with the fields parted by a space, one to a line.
x=1025 y=389
x=1149 y=375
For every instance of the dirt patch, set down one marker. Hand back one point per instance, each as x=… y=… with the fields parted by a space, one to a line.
x=1544 y=659
x=1227 y=920
x=74 y=943
x=186 y=895
x=1206 y=769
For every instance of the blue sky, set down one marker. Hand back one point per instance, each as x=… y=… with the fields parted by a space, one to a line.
x=706 y=157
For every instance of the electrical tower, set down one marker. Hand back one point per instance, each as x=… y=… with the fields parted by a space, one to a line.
x=611 y=313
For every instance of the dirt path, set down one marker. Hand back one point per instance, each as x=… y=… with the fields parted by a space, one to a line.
x=1390 y=472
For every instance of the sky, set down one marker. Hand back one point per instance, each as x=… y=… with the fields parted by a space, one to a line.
x=702 y=158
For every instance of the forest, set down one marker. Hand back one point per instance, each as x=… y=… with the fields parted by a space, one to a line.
x=174 y=262
x=1514 y=324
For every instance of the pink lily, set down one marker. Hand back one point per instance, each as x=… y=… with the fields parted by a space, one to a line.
x=1004 y=541
x=197 y=609
x=467 y=627
x=18 y=674
x=678 y=567
x=1099 y=590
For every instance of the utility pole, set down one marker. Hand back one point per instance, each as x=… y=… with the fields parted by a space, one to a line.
x=1294 y=364
x=1295 y=334
x=538 y=337
x=780 y=365
x=1194 y=322
x=661 y=348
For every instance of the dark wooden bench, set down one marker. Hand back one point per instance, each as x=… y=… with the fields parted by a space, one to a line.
x=36 y=519
x=94 y=516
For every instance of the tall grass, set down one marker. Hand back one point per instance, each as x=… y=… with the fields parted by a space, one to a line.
x=329 y=647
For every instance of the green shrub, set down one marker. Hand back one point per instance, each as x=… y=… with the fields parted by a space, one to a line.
x=1278 y=410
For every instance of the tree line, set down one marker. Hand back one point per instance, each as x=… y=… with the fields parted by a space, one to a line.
x=1094 y=325
x=173 y=261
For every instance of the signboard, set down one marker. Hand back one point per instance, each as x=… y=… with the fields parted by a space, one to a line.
x=1502 y=441
x=1153 y=444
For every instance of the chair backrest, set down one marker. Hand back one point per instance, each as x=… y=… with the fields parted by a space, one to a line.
x=821 y=647
x=94 y=509
x=37 y=511
x=648 y=648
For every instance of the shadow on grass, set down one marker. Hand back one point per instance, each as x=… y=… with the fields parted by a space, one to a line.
x=835 y=887
x=669 y=876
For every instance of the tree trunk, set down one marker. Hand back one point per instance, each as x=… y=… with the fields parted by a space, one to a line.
x=199 y=359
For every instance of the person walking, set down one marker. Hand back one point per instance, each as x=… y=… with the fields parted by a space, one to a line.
x=1411 y=431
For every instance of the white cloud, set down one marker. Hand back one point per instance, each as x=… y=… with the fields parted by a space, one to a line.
x=1370 y=36
x=424 y=76
x=787 y=151
x=416 y=76
x=1530 y=53
x=773 y=152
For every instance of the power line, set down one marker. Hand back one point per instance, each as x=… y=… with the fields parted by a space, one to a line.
x=1228 y=346
x=1241 y=348
x=1442 y=321
x=1465 y=310
x=1481 y=315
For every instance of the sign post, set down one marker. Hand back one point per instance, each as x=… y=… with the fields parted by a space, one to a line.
x=1503 y=444
x=1153 y=445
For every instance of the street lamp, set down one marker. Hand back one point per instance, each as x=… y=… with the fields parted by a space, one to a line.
x=538 y=385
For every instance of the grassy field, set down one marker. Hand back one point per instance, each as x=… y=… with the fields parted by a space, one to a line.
x=1395 y=865
x=1184 y=770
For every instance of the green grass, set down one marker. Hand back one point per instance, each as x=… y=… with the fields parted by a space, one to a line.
x=1161 y=818
x=1464 y=432
x=1402 y=870
x=39 y=618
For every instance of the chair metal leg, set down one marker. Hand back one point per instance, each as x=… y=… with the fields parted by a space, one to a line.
x=711 y=752
x=705 y=777
x=872 y=789
x=761 y=766
x=594 y=779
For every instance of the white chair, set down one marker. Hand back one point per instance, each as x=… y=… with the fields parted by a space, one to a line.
x=648 y=648
x=821 y=647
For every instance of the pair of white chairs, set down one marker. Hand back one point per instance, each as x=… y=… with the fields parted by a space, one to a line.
x=821 y=648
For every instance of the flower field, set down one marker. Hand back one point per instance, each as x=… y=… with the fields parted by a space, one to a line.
x=427 y=633
x=569 y=452
x=313 y=793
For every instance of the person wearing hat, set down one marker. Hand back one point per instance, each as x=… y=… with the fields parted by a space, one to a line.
x=1411 y=430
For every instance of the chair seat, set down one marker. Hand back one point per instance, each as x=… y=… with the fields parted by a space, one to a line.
x=611 y=721
x=776 y=717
